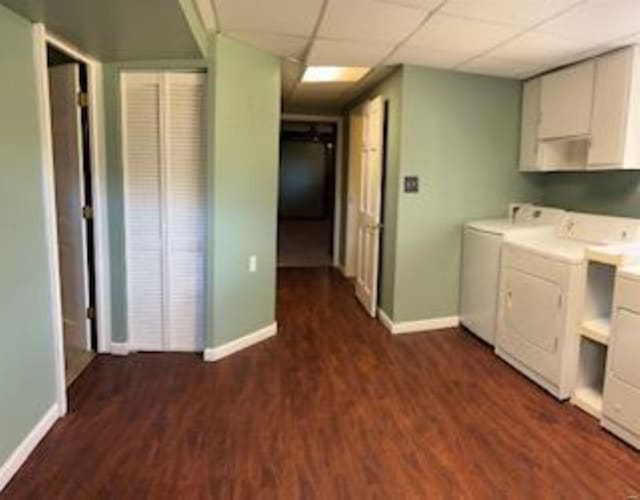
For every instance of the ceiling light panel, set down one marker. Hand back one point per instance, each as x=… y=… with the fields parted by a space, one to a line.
x=455 y=34
x=369 y=21
x=347 y=53
x=522 y=13
x=333 y=74
x=289 y=17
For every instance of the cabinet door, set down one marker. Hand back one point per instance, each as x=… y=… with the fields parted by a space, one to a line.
x=566 y=98
x=529 y=151
x=610 y=104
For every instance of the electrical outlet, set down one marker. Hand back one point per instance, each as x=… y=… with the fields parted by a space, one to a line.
x=253 y=264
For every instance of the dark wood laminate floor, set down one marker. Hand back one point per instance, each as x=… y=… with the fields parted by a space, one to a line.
x=331 y=408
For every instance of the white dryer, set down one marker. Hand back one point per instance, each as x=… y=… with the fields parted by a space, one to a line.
x=541 y=281
x=481 y=249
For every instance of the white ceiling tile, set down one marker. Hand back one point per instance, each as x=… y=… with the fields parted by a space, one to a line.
x=597 y=21
x=421 y=56
x=347 y=53
x=454 y=34
x=539 y=48
x=292 y=17
x=427 y=5
x=496 y=66
x=369 y=20
x=523 y=13
x=280 y=45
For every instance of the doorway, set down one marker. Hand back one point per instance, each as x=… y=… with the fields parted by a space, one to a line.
x=307 y=194
x=72 y=173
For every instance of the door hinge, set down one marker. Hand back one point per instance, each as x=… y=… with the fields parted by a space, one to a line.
x=559 y=301
x=83 y=99
x=87 y=212
x=91 y=313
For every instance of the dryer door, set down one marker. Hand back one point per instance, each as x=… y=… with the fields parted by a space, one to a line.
x=534 y=314
x=622 y=387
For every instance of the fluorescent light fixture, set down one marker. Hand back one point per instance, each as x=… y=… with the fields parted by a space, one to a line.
x=318 y=74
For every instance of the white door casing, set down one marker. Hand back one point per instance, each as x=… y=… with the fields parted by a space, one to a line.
x=64 y=87
x=369 y=212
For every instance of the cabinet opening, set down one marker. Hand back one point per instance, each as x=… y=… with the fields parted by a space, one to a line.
x=568 y=153
x=592 y=359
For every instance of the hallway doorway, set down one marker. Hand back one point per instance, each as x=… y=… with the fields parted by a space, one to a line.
x=307 y=193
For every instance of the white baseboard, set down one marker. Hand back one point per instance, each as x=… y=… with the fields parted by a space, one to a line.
x=26 y=447
x=216 y=353
x=422 y=325
x=119 y=348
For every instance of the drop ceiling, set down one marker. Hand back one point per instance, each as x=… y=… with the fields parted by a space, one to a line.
x=115 y=30
x=508 y=38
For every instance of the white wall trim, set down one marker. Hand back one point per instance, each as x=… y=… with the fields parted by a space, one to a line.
x=216 y=353
x=422 y=325
x=338 y=208
x=51 y=228
x=120 y=348
x=99 y=180
x=28 y=444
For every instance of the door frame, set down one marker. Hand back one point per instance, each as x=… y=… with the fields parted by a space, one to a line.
x=337 y=202
x=42 y=38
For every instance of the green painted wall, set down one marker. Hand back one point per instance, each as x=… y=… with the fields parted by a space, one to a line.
x=460 y=135
x=111 y=80
x=243 y=176
x=608 y=193
x=27 y=387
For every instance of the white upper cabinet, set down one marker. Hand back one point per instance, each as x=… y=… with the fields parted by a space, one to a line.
x=611 y=108
x=529 y=150
x=584 y=117
x=566 y=98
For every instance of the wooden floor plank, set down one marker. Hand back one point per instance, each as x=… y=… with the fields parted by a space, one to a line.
x=332 y=407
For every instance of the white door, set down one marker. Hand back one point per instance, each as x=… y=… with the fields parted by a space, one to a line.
x=165 y=203
x=369 y=206
x=353 y=196
x=64 y=85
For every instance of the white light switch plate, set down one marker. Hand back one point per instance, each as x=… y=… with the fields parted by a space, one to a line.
x=253 y=264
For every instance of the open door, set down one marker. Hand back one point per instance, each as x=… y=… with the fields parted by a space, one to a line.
x=369 y=207
x=64 y=85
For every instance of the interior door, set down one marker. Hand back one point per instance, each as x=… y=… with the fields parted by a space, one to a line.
x=164 y=152
x=64 y=86
x=370 y=205
x=353 y=196
x=143 y=210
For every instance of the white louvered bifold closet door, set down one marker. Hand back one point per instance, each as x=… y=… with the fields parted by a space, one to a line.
x=185 y=212
x=164 y=154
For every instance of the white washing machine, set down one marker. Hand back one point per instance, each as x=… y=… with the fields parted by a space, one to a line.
x=541 y=281
x=621 y=396
x=481 y=248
